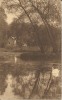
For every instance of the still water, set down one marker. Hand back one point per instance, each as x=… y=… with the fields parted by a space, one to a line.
x=21 y=79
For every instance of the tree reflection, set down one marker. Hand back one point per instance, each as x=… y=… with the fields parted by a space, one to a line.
x=42 y=77
x=22 y=84
x=38 y=82
x=3 y=84
x=32 y=83
x=35 y=84
x=5 y=69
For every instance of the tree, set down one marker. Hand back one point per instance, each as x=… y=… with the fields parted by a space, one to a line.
x=41 y=8
x=3 y=27
x=50 y=12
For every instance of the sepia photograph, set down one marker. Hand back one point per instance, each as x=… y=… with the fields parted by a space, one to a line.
x=30 y=49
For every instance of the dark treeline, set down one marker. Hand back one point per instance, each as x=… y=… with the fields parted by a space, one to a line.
x=25 y=35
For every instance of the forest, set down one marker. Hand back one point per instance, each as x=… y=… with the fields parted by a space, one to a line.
x=37 y=25
x=30 y=49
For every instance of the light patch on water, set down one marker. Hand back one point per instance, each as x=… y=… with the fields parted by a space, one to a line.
x=9 y=95
x=15 y=42
x=55 y=72
x=15 y=59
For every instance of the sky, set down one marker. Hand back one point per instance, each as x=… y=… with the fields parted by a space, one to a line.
x=0 y=2
x=10 y=16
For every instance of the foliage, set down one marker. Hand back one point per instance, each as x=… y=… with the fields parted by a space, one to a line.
x=3 y=27
x=39 y=12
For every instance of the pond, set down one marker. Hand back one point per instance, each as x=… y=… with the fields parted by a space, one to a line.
x=30 y=79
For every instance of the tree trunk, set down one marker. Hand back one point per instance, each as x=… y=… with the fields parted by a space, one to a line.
x=37 y=35
x=47 y=27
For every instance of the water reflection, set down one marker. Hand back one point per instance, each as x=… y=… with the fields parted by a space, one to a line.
x=18 y=81
x=55 y=72
x=22 y=85
x=9 y=95
x=15 y=59
x=3 y=84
